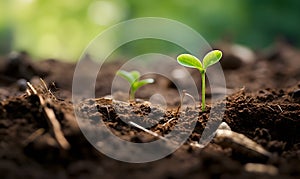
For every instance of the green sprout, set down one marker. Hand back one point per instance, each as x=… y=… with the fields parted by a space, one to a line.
x=191 y=61
x=133 y=78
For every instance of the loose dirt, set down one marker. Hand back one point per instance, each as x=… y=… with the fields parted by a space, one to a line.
x=262 y=105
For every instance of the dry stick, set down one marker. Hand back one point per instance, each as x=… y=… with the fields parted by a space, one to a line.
x=55 y=126
x=43 y=84
x=31 y=89
x=28 y=92
x=45 y=87
x=52 y=121
x=34 y=135
x=279 y=108
x=270 y=108
x=148 y=131
x=169 y=121
x=239 y=142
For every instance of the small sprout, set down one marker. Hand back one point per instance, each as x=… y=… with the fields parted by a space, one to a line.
x=133 y=78
x=191 y=61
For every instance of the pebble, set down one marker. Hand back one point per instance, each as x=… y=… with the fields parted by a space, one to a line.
x=22 y=84
x=235 y=55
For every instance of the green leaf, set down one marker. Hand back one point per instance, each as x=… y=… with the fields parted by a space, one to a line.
x=141 y=83
x=189 y=61
x=135 y=75
x=126 y=75
x=211 y=58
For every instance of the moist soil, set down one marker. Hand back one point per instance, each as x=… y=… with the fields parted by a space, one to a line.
x=262 y=105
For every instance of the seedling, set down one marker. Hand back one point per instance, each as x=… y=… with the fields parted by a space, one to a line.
x=133 y=78
x=191 y=61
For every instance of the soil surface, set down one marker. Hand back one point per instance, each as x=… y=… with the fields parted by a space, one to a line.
x=40 y=136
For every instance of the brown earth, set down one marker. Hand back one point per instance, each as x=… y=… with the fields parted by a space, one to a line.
x=263 y=104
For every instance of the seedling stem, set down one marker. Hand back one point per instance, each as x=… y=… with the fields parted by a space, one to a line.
x=203 y=90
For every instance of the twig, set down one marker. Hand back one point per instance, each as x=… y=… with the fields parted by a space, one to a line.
x=55 y=126
x=31 y=89
x=169 y=121
x=146 y=130
x=34 y=135
x=45 y=87
x=240 y=143
x=53 y=123
x=43 y=84
x=270 y=108
x=279 y=108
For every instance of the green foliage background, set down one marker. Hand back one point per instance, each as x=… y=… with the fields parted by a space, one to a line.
x=62 y=28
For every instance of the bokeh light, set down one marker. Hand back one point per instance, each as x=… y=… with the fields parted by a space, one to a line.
x=62 y=29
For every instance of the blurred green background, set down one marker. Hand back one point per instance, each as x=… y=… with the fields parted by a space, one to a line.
x=63 y=28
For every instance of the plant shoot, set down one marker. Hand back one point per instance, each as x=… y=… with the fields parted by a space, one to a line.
x=133 y=78
x=191 y=61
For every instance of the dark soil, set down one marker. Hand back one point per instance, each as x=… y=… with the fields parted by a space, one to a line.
x=263 y=104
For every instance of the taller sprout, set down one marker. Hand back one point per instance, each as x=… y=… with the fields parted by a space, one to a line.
x=191 y=61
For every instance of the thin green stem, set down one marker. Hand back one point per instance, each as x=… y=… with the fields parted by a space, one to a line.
x=131 y=94
x=203 y=90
